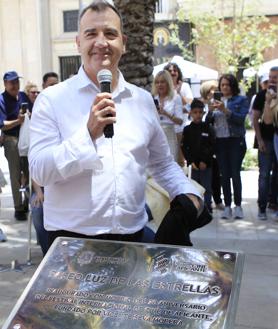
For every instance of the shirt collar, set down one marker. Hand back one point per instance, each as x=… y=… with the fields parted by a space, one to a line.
x=9 y=96
x=84 y=81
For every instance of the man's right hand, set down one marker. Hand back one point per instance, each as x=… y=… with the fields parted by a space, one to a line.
x=102 y=113
x=20 y=118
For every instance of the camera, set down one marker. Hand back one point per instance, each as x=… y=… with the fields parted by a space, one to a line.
x=24 y=107
x=217 y=95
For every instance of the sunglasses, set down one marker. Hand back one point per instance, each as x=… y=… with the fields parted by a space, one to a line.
x=34 y=92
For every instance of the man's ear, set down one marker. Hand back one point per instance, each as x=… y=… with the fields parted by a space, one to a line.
x=77 y=41
x=124 y=43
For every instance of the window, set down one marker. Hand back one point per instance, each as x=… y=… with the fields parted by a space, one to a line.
x=158 y=6
x=70 y=20
x=69 y=65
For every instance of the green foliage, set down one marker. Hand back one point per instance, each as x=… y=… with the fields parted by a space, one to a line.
x=236 y=38
x=185 y=48
x=247 y=123
x=250 y=160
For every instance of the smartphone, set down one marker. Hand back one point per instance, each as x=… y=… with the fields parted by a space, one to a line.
x=24 y=107
x=156 y=102
x=217 y=95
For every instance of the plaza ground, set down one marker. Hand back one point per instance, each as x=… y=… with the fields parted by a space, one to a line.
x=258 y=240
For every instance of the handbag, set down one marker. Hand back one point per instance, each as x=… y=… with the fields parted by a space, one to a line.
x=24 y=137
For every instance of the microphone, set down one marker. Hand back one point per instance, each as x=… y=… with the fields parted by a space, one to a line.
x=104 y=78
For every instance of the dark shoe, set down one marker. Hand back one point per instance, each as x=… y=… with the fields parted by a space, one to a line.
x=20 y=215
x=272 y=206
x=219 y=206
x=26 y=205
x=262 y=215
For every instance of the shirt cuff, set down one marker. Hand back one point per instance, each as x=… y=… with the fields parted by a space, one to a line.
x=77 y=154
x=85 y=150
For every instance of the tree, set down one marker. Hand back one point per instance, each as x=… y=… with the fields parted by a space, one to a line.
x=237 y=38
x=138 y=18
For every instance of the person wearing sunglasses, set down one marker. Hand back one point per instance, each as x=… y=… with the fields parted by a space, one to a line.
x=31 y=90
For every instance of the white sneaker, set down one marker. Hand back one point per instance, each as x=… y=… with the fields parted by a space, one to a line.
x=238 y=214
x=227 y=213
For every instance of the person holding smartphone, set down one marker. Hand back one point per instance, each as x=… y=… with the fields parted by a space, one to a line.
x=228 y=116
x=169 y=110
x=11 y=118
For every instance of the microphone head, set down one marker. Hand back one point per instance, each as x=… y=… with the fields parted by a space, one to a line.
x=104 y=76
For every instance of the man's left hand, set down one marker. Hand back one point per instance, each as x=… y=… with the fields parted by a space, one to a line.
x=195 y=200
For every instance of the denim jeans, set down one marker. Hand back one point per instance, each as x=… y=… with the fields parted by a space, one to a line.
x=203 y=177
x=229 y=154
x=215 y=182
x=266 y=161
x=276 y=145
x=273 y=192
x=37 y=218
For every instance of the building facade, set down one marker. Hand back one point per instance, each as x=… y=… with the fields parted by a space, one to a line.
x=37 y=36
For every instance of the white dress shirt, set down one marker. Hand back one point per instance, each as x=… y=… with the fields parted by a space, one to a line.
x=84 y=191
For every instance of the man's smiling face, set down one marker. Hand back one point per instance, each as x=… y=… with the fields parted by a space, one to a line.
x=100 y=41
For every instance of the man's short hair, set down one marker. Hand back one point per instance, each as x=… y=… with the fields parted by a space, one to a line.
x=100 y=6
x=49 y=75
x=197 y=104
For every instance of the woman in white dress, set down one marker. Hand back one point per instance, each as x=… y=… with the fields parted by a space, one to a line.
x=169 y=109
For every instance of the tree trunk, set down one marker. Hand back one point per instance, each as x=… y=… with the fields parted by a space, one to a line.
x=138 y=20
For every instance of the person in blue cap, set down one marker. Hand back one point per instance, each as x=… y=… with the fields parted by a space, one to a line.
x=11 y=119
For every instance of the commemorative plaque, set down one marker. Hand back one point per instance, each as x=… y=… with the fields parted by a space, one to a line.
x=92 y=284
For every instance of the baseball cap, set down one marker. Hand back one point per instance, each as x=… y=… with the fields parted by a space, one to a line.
x=11 y=75
x=264 y=77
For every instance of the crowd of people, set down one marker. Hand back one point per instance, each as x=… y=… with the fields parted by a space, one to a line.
x=85 y=188
x=213 y=137
x=15 y=105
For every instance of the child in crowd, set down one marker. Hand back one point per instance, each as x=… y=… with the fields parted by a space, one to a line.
x=197 y=146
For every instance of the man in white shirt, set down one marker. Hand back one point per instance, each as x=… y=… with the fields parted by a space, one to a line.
x=95 y=186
